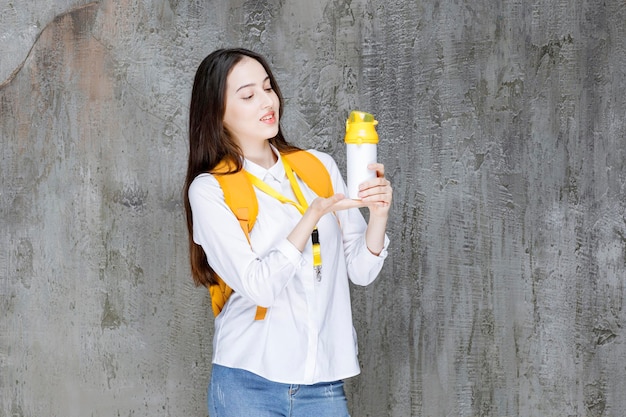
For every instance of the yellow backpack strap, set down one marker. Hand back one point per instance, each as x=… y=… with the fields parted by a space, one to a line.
x=240 y=197
x=311 y=170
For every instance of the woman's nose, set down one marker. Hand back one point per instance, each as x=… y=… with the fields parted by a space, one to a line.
x=268 y=99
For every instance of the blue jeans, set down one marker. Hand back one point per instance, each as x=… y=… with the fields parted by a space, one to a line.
x=239 y=393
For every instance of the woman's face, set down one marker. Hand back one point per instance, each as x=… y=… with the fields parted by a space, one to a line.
x=252 y=106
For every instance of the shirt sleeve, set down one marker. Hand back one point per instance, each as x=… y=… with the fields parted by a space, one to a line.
x=362 y=265
x=217 y=230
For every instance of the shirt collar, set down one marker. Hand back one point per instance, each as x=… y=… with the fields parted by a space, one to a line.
x=277 y=171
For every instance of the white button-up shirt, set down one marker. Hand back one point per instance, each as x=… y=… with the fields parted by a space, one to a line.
x=307 y=335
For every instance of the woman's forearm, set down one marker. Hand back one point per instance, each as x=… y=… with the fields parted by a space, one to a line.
x=375 y=234
x=301 y=233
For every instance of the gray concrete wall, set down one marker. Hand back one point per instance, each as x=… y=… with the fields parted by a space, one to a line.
x=502 y=127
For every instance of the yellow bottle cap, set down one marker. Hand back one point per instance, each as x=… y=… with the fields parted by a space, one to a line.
x=360 y=128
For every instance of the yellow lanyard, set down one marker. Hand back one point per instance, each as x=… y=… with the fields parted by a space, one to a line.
x=301 y=205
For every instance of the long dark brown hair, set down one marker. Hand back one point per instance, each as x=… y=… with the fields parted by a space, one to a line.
x=209 y=140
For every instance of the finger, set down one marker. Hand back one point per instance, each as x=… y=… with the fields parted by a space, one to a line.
x=377 y=182
x=348 y=203
x=339 y=202
x=378 y=167
x=382 y=192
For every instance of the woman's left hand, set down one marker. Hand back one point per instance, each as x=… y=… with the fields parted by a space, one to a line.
x=377 y=193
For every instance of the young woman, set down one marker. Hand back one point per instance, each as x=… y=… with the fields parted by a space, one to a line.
x=294 y=360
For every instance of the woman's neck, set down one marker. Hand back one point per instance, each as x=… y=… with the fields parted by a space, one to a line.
x=263 y=155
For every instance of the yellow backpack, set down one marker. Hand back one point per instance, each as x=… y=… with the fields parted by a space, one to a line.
x=240 y=197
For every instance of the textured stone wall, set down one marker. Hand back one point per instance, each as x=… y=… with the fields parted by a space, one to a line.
x=502 y=129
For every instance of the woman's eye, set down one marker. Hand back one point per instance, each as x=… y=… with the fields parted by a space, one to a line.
x=248 y=97
x=269 y=89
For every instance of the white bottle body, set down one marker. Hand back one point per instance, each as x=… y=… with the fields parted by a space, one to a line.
x=357 y=158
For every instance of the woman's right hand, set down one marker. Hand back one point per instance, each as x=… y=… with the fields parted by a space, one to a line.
x=337 y=202
x=301 y=234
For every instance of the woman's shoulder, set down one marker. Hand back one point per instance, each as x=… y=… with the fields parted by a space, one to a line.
x=204 y=184
x=324 y=157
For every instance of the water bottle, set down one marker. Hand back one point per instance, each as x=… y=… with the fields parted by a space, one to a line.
x=361 y=144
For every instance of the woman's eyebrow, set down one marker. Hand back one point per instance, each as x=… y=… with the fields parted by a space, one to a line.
x=244 y=86
x=251 y=84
